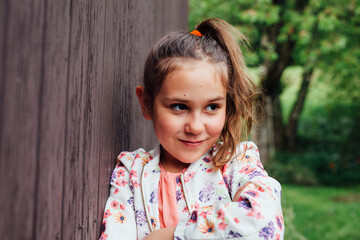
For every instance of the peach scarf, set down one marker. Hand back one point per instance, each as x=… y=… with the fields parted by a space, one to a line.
x=168 y=214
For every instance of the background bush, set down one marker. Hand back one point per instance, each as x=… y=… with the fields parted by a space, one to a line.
x=328 y=136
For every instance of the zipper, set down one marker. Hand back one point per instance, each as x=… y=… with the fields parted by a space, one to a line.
x=145 y=202
x=187 y=199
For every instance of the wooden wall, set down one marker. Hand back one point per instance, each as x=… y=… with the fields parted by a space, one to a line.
x=68 y=72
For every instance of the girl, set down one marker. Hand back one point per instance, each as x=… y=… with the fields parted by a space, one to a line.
x=200 y=181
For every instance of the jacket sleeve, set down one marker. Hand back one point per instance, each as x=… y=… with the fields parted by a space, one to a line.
x=254 y=214
x=119 y=217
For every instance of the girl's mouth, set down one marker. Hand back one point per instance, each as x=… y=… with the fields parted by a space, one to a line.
x=192 y=143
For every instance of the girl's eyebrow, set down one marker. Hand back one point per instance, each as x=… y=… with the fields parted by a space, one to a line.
x=217 y=99
x=174 y=99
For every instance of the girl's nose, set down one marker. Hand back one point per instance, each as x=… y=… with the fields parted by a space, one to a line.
x=194 y=124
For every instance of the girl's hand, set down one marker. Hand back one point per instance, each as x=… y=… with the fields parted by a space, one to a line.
x=162 y=234
x=237 y=195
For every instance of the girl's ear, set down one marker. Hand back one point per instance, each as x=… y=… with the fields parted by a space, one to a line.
x=144 y=102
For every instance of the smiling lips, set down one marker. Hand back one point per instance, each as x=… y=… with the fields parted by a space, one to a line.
x=192 y=143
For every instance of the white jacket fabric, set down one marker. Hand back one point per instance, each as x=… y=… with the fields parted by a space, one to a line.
x=204 y=198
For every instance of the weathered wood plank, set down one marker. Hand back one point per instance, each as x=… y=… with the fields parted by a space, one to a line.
x=21 y=81
x=77 y=122
x=96 y=16
x=53 y=119
x=107 y=153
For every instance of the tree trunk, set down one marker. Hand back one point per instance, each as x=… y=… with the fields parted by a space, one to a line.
x=263 y=131
x=291 y=128
x=277 y=122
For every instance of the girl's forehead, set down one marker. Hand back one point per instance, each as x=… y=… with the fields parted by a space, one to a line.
x=190 y=63
x=198 y=81
x=218 y=69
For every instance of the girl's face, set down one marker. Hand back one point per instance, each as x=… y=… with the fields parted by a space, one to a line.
x=188 y=114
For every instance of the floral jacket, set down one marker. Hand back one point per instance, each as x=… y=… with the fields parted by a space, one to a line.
x=204 y=198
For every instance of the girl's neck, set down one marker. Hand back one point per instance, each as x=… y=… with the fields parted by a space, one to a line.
x=171 y=164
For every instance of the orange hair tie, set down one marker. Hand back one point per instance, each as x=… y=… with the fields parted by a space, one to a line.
x=196 y=32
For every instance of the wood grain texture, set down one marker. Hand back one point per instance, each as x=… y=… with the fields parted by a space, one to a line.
x=21 y=81
x=53 y=120
x=68 y=74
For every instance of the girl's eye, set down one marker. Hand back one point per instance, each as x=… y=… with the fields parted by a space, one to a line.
x=178 y=107
x=212 y=107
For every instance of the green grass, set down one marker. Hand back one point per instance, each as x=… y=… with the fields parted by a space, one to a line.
x=314 y=213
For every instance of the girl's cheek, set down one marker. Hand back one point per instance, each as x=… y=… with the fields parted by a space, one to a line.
x=216 y=125
x=169 y=122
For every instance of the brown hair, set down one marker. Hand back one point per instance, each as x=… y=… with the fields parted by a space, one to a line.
x=218 y=45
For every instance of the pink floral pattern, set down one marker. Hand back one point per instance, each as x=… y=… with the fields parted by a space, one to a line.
x=204 y=198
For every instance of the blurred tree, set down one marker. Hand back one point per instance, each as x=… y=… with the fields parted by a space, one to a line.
x=318 y=35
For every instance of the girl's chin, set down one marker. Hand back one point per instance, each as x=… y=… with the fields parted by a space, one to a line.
x=185 y=156
x=189 y=159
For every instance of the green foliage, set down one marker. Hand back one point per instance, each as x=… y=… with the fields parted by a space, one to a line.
x=328 y=141
x=290 y=84
x=332 y=131
x=328 y=137
x=331 y=213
